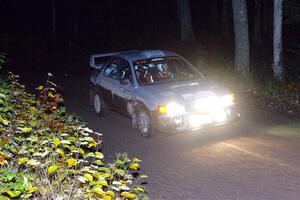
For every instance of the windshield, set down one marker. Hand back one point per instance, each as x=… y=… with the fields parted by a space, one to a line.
x=163 y=69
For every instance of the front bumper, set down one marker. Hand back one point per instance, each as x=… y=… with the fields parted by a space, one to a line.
x=195 y=121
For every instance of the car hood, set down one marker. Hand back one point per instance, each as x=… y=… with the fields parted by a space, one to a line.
x=185 y=91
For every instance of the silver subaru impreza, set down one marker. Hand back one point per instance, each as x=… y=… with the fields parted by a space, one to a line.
x=158 y=90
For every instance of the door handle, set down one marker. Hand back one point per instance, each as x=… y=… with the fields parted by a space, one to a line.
x=125 y=90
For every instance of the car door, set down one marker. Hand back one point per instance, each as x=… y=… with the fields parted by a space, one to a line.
x=108 y=81
x=123 y=91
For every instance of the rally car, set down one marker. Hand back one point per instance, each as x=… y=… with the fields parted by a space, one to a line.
x=159 y=90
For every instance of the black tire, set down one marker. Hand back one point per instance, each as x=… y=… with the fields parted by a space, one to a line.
x=99 y=105
x=144 y=122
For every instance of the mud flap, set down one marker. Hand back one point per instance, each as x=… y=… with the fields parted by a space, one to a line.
x=92 y=92
x=131 y=109
x=134 y=121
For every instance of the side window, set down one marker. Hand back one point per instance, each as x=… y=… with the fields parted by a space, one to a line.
x=118 y=69
x=112 y=69
x=124 y=71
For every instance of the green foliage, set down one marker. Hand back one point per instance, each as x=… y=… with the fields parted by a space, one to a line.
x=46 y=153
x=268 y=87
x=15 y=184
x=2 y=59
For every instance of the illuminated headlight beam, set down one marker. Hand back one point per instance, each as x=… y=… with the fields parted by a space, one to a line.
x=172 y=109
x=214 y=103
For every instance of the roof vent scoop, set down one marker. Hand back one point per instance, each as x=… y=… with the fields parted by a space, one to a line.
x=153 y=53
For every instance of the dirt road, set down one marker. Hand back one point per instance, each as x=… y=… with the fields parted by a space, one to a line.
x=234 y=162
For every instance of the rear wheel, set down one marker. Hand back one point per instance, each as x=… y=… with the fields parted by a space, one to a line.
x=144 y=122
x=99 y=105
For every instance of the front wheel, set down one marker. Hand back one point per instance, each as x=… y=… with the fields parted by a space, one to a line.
x=144 y=122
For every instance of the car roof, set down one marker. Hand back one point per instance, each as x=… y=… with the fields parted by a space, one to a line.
x=133 y=55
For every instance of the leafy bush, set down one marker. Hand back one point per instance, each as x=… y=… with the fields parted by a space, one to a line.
x=46 y=153
x=267 y=86
x=2 y=59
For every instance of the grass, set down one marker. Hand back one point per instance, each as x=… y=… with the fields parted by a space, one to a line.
x=289 y=130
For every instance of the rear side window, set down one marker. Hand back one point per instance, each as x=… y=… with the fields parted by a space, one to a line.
x=118 y=69
x=111 y=70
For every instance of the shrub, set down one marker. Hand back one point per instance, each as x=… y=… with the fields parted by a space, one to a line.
x=46 y=153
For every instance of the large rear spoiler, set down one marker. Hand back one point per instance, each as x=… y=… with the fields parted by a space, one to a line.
x=97 y=61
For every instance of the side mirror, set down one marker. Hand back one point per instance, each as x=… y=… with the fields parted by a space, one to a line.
x=124 y=81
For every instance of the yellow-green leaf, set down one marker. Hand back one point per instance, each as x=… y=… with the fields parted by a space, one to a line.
x=31 y=189
x=3 y=121
x=56 y=142
x=88 y=177
x=33 y=123
x=60 y=152
x=22 y=160
x=22 y=151
x=52 y=169
x=110 y=193
x=134 y=166
x=40 y=87
x=98 y=191
x=103 y=183
x=136 y=160
x=26 y=130
x=143 y=176
x=71 y=162
x=33 y=162
x=99 y=155
x=27 y=196
x=120 y=171
x=4 y=198
x=139 y=189
x=14 y=193
x=99 y=162
x=107 y=197
x=96 y=175
x=50 y=94
x=92 y=144
x=91 y=154
x=81 y=151
x=128 y=195
x=89 y=139
x=72 y=139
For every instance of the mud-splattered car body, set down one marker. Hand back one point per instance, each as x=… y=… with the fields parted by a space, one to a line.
x=158 y=90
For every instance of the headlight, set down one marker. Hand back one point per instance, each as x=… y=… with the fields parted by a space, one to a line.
x=172 y=109
x=214 y=103
x=227 y=100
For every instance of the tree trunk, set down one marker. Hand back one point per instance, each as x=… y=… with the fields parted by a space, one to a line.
x=267 y=21
x=225 y=19
x=186 y=27
x=53 y=30
x=257 y=22
x=277 y=40
x=239 y=8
